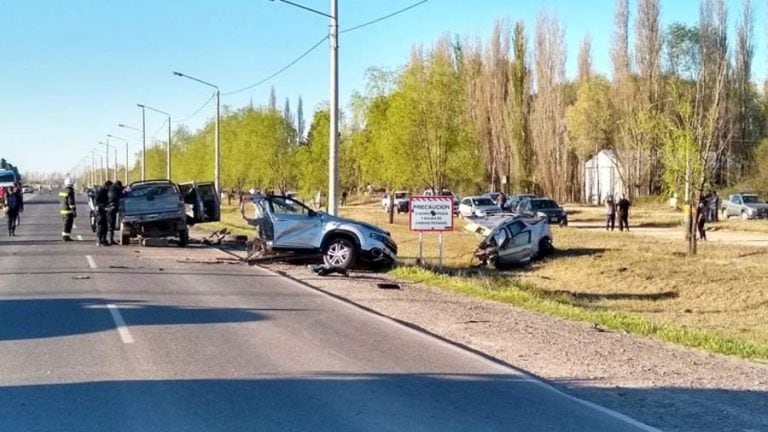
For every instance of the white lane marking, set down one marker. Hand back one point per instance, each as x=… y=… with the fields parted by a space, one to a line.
x=79 y=238
x=125 y=335
x=91 y=262
x=500 y=367
x=74 y=225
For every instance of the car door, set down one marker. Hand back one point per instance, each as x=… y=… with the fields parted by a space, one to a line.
x=207 y=203
x=295 y=226
x=465 y=207
x=518 y=244
x=734 y=205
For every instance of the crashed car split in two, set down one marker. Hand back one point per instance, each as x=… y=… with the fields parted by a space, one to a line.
x=286 y=225
x=512 y=240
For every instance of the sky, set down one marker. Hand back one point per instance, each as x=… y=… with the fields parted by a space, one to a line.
x=73 y=70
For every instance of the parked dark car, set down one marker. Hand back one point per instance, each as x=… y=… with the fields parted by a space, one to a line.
x=554 y=212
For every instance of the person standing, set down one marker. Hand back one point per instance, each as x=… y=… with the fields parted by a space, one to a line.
x=114 y=195
x=623 y=207
x=701 y=215
x=67 y=209
x=610 y=213
x=501 y=202
x=102 y=202
x=344 y=198
x=713 y=204
x=15 y=207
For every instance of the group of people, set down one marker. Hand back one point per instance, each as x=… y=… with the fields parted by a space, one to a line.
x=106 y=206
x=12 y=199
x=618 y=208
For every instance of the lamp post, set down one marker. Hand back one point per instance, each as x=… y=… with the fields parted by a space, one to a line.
x=106 y=167
x=168 y=145
x=217 y=149
x=126 y=156
x=333 y=144
x=143 y=142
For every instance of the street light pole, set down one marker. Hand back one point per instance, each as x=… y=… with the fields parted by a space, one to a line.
x=168 y=146
x=333 y=139
x=217 y=133
x=126 y=154
x=143 y=143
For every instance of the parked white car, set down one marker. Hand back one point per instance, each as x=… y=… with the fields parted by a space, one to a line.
x=401 y=202
x=478 y=206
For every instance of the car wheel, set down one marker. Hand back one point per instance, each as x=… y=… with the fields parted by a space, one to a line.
x=339 y=252
x=545 y=248
x=744 y=215
x=183 y=238
x=125 y=235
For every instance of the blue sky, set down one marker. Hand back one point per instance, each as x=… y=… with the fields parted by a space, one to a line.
x=72 y=70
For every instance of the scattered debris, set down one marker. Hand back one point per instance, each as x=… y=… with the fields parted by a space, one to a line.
x=191 y=261
x=387 y=285
x=80 y=277
x=124 y=267
x=216 y=238
x=325 y=270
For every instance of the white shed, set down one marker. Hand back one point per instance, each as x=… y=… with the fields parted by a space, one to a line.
x=602 y=177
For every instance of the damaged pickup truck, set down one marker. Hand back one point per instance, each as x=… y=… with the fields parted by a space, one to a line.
x=512 y=240
x=286 y=225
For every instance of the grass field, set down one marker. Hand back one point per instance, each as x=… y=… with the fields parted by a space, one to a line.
x=715 y=301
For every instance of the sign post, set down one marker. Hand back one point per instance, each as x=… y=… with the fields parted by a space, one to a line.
x=431 y=214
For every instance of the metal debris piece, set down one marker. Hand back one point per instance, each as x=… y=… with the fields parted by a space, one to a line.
x=387 y=285
x=80 y=277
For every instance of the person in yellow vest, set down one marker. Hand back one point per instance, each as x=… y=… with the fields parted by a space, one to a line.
x=68 y=208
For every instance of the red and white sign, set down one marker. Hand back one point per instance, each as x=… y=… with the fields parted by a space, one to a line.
x=431 y=213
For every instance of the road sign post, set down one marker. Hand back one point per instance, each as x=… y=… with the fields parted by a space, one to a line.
x=431 y=214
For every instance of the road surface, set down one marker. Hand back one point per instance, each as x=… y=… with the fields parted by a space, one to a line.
x=130 y=339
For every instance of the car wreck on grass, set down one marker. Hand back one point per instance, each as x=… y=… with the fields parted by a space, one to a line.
x=286 y=226
x=511 y=240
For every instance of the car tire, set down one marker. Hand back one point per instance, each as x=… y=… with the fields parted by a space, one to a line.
x=724 y=214
x=744 y=215
x=545 y=248
x=339 y=252
x=125 y=235
x=184 y=238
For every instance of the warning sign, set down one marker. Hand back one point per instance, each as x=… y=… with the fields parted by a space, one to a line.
x=431 y=213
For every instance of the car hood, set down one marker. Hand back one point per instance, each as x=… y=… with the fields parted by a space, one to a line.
x=757 y=206
x=329 y=218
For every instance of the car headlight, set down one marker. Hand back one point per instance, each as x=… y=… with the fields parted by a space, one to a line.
x=378 y=237
x=480 y=213
x=750 y=210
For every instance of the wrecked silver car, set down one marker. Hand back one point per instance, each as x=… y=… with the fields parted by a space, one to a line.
x=513 y=240
x=286 y=225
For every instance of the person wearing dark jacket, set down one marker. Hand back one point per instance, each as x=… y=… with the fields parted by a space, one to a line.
x=15 y=203
x=623 y=207
x=702 y=212
x=102 y=202
x=114 y=195
x=67 y=209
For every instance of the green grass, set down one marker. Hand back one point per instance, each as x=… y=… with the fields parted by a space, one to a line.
x=531 y=298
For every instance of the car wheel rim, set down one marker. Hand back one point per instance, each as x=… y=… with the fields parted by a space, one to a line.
x=338 y=254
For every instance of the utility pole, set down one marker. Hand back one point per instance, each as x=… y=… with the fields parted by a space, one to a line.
x=217 y=133
x=143 y=142
x=168 y=151
x=333 y=145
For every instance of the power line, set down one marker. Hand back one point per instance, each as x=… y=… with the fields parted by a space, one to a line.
x=318 y=43
x=286 y=67
x=398 y=12
x=160 y=129
x=197 y=111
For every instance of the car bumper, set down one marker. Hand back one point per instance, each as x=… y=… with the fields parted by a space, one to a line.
x=384 y=252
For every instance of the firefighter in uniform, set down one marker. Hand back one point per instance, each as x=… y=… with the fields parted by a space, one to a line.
x=68 y=209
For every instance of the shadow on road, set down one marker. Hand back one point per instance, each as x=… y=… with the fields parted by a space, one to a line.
x=47 y=318
x=349 y=402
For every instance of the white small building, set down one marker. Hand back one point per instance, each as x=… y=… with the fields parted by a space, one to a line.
x=602 y=177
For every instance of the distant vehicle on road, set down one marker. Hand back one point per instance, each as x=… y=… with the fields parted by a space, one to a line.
x=745 y=206
x=546 y=206
x=288 y=225
x=401 y=202
x=27 y=189
x=478 y=206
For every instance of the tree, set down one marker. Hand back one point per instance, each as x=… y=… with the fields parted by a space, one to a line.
x=591 y=120
x=287 y=114
x=519 y=106
x=585 y=59
x=547 y=119
x=300 y=122
x=272 y=99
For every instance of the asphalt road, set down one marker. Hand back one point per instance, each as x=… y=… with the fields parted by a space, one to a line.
x=130 y=339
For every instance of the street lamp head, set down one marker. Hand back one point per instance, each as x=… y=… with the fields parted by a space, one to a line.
x=140 y=105
x=178 y=74
x=121 y=125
